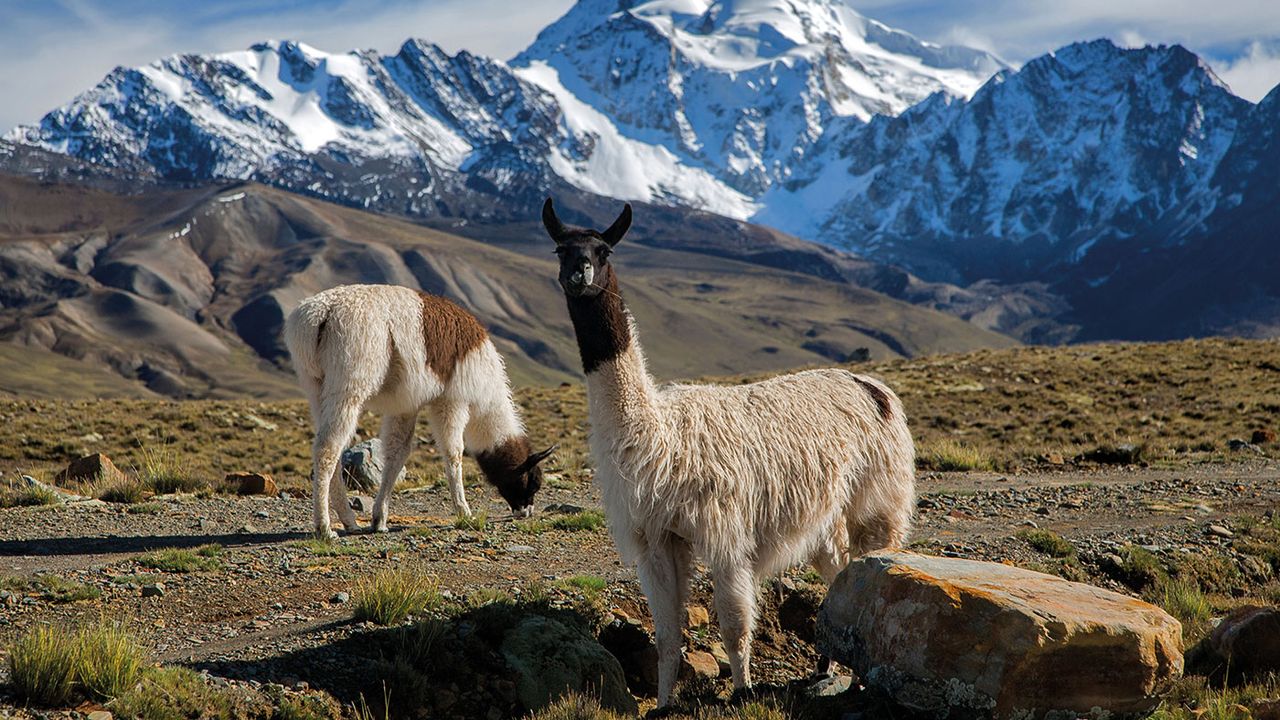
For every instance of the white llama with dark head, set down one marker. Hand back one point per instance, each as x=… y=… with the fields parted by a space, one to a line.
x=398 y=351
x=817 y=465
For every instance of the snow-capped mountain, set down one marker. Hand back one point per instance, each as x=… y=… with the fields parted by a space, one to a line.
x=1084 y=147
x=741 y=88
x=1073 y=176
x=399 y=132
x=719 y=100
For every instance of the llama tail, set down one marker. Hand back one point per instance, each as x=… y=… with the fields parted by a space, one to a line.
x=302 y=335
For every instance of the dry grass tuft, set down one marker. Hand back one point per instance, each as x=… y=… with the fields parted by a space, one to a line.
x=391 y=596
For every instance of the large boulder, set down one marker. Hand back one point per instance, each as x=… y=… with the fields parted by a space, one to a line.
x=552 y=659
x=362 y=466
x=91 y=468
x=953 y=637
x=1244 y=646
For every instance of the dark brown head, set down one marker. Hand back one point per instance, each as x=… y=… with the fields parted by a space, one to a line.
x=584 y=253
x=515 y=472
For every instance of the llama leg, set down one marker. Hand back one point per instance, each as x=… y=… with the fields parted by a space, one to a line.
x=448 y=424
x=338 y=500
x=397 y=440
x=337 y=424
x=661 y=585
x=735 y=596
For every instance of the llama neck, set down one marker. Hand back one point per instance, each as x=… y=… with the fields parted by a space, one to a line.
x=492 y=426
x=619 y=388
x=493 y=417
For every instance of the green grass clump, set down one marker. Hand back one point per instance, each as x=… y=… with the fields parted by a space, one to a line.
x=1140 y=568
x=51 y=588
x=42 y=666
x=172 y=693
x=331 y=548
x=590 y=584
x=53 y=666
x=126 y=491
x=390 y=596
x=589 y=520
x=205 y=558
x=151 y=508
x=61 y=590
x=575 y=706
x=488 y=596
x=475 y=523
x=1186 y=602
x=950 y=456
x=164 y=472
x=109 y=660
x=1048 y=542
x=584 y=520
x=34 y=496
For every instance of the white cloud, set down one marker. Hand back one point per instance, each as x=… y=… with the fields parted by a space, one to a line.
x=1255 y=73
x=1131 y=39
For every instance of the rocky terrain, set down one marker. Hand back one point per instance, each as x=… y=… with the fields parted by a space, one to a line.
x=268 y=614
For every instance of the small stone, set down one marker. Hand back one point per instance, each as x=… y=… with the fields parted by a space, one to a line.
x=699 y=664
x=1030 y=523
x=722 y=658
x=521 y=548
x=340 y=598
x=1042 y=510
x=1219 y=531
x=566 y=508
x=99 y=715
x=698 y=616
x=262 y=514
x=829 y=686
x=153 y=590
x=251 y=483
x=362 y=465
x=248 y=529
x=361 y=503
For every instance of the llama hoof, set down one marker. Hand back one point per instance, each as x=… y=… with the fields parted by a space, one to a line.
x=661 y=712
x=743 y=695
x=326 y=534
x=378 y=526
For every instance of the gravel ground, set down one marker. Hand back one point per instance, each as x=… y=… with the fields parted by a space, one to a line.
x=272 y=610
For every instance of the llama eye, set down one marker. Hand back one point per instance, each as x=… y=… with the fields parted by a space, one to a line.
x=605 y=253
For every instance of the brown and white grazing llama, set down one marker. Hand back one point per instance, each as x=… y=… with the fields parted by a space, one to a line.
x=398 y=351
x=817 y=465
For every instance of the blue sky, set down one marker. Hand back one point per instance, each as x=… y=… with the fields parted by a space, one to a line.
x=52 y=49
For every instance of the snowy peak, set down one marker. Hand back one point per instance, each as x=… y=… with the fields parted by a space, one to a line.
x=1083 y=147
x=743 y=88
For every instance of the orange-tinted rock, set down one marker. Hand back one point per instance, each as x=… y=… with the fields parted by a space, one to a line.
x=948 y=636
x=90 y=468
x=249 y=483
x=698 y=616
x=699 y=664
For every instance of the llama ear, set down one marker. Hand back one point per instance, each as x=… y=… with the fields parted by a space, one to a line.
x=538 y=457
x=619 y=227
x=554 y=227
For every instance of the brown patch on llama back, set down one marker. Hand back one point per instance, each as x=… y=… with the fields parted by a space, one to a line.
x=881 y=398
x=449 y=333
